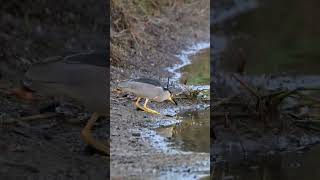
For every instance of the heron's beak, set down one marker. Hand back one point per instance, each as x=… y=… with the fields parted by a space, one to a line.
x=173 y=101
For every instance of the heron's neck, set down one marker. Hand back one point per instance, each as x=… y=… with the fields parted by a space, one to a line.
x=163 y=96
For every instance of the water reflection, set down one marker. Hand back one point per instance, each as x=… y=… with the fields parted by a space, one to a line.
x=192 y=134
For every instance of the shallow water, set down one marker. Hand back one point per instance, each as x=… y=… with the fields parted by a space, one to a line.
x=198 y=72
x=192 y=134
x=289 y=166
x=271 y=37
x=185 y=58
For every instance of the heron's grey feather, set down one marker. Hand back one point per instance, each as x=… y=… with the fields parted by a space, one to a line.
x=84 y=82
x=148 y=81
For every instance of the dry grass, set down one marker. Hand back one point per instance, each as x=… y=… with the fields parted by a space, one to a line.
x=131 y=19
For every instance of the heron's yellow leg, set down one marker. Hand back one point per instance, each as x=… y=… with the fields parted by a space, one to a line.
x=138 y=105
x=148 y=109
x=86 y=134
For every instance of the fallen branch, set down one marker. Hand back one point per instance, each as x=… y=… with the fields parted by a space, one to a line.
x=29 y=118
x=251 y=90
x=222 y=114
x=222 y=101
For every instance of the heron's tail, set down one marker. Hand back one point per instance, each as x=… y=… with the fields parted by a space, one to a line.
x=123 y=85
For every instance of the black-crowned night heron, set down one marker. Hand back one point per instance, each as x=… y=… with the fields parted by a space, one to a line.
x=82 y=77
x=149 y=89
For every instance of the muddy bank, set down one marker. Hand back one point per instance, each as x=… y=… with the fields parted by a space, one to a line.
x=135 y=150
x=246 y=133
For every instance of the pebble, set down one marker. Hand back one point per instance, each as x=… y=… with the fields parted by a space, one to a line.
x=138 y=134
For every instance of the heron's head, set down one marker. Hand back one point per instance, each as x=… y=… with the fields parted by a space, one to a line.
x=169 y=96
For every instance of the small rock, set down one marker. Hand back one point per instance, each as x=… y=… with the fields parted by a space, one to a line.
x=137 y=134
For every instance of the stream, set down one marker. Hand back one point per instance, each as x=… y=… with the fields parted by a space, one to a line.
x=189 y=131
x=193 y=131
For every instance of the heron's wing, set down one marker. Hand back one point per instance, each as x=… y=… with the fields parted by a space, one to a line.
x=69 y=74
x=82 y=81
x=148 y=81
x=93 y=58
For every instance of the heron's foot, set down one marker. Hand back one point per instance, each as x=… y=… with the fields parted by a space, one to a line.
x=86 y=134
x=99 y=146
x=146 y=109
x=139 y=107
